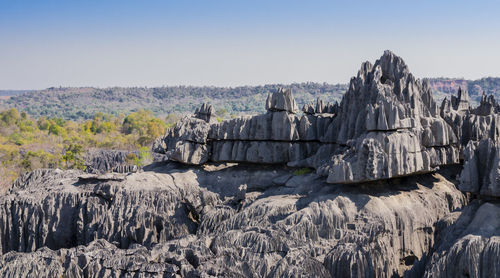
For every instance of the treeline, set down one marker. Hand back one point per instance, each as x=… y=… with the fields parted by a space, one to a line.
x=28 y=143
x=84 y=103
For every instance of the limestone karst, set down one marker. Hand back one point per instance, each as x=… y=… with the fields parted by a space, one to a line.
x=400 y=187
x=387 y=125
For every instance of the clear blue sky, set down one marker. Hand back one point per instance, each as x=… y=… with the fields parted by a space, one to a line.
x=153 y=43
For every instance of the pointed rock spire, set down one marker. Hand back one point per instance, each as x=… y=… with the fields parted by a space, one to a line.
x=205 y=112
x=461 y=101
x=282 y=100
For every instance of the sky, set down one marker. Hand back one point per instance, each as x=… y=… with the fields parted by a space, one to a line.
x=105 y=43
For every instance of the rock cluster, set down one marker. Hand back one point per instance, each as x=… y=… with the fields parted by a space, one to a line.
x=205 y=112
x=277 y=137
x=239 y=221
x=386 y=126
x=320 y=108
x=282 y=100
x=469 y=243
x=102 y=161
x=216 y=218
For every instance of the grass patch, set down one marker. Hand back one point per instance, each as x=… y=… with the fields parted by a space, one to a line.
x=302 y=171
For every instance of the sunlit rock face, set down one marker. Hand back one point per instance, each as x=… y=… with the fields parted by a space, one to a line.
x=387 y=125
x=391 y=126
x=400 y=188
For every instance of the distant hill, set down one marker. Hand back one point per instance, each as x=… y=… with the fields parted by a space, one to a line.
x=6 y=94
x=445 y=86
x=83 y=103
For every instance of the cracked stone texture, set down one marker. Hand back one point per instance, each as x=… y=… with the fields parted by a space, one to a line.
x=387 y=125
x=469 y=244
x=481 y=172
x=101 y=161
x=219 y=221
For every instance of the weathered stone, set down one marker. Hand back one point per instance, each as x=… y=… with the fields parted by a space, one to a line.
x=481 y=172
x=103 y=161
x=460 y=103
x=469 y=243
x=391 y=126
x=206 y=112
x=282 y=100
x=233 y=222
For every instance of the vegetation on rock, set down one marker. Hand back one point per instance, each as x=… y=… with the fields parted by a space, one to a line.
x=28 y=143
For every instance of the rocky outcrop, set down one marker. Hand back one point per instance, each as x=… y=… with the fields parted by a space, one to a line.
x=187 y=142
x=103 y=161
x=220 y=221
x=282 y=100
x=386 y=126
x=320 y=108
x=469 y=243
x=391 y=126
x=99 y=259
x=461 y=102
x=471 y=124
x=277 y=137
x=481 y=171
x=206 y=112
x=487 y=106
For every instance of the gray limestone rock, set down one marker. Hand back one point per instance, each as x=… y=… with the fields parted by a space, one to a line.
x=102 y=161
x=387 y=124
x=186 y=142
x=469 y=243
x=206 y=112
x=391 y=126
x=475 y=124
x=460 y=102
x=320 y=108
x=282 y=100
x=481 y=171
x=487 y=106
x=172 y=221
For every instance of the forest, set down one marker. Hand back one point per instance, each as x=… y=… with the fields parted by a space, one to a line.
x=83 y=103
x=28 y=143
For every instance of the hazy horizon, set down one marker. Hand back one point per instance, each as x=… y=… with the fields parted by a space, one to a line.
x=228 y=44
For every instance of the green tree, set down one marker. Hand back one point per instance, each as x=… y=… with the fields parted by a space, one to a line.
x=73 y=157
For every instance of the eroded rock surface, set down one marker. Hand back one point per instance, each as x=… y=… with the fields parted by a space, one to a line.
x=233 y=221
x=481 y=172
x=103 y=161
x=382 y=201
x=386 y=126
x=469 y=244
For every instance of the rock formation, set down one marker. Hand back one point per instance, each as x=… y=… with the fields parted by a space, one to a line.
x=282 y=100
x=481 y=172
x=205 y=112
x=102 y=161
x=386 y=126
x=213 y=209
x=469 y=243
x=239 y=221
